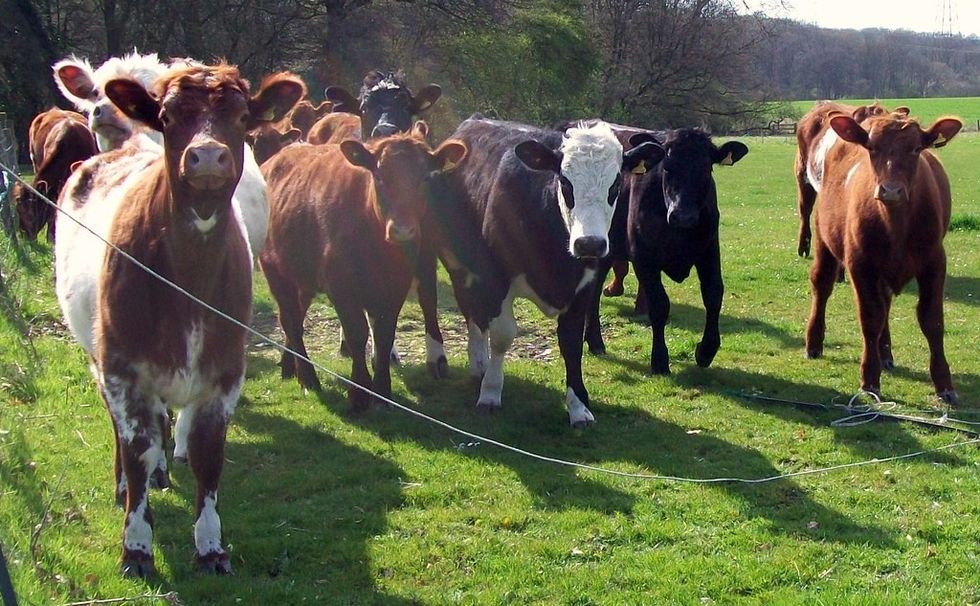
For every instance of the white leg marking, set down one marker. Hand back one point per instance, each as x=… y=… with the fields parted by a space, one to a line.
x=182 y=427
x=503 y=329
x=476 y=349
x=138 y=534
x=207 y=528
x=433 y=350
x=578 y=413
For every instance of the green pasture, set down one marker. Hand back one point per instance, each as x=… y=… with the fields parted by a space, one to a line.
x=322 y=507
x=926 y=110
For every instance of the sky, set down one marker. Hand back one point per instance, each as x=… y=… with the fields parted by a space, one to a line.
x=914 y=15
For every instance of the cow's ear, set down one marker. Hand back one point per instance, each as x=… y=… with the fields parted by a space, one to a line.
x=849 y=130
x=420 y=130
x=278 y=94
x=426 y=98
x=134 y=101
x=902 y=111
x=643 y=157
x=342 y=100
x=537 y=156
x=357 y=154
x=940 y=133
x=638 y=139
x=290 y=136
x=323 y=109
x=74 y=78
x=730 y=153
x=450 y=154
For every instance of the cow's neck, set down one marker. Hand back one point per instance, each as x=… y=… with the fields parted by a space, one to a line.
x=196 y=256
x=897 y=221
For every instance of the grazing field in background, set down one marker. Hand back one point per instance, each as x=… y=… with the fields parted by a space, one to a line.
x=926 y=110
x=322 y=507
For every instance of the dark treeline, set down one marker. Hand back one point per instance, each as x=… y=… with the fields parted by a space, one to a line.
x=655 y=64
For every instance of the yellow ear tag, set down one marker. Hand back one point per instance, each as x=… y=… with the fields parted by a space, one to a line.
x=269 y=115
x=728 y=160
x=940 y=141
x=640 y=169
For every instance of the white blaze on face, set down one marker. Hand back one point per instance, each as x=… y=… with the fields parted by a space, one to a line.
x=591 y=160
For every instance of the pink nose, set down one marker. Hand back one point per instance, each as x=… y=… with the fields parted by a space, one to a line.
x=890 y=192
x=398 y=232
x=207 y=165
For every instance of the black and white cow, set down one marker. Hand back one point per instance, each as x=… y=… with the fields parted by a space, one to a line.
x=385 y=104
x=543 y=201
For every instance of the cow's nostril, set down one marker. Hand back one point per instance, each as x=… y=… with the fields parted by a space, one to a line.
x=97 y=112
x=192 y=157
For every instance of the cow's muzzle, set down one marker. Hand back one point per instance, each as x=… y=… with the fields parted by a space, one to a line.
x=207 y=165
x=891 y=192
x=590 y=247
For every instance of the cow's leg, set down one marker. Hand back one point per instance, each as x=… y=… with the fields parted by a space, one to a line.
x=161 y=476
x=885 y=340
x=823 y=273
x=477 y=349
x=930 y=314
x=712 y=293
x=140 y=447
x=206 y=446
x=621 y=268
x=806 y=199
x=593 y=325
x=652 y=283
x=503 y=329
x=293 y=305
x=641 y=306
x=383 y=330
x=872 y=303
x=570 y=327
x=356 y=330
x=427 y=288
x=120 y=477
x=182 y=427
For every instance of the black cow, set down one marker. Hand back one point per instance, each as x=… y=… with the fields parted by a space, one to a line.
x=543 y=202
x=672 y=227
x=385 y=104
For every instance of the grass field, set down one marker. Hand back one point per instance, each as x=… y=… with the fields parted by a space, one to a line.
x=321 y=507
x=926 y=110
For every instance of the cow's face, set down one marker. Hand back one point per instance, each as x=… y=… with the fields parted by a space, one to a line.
x=686 y=173
x=85 y=87
x=588 y=166
x=386 y=105
x=204 y=113
x=401 y=166
x=894 y=144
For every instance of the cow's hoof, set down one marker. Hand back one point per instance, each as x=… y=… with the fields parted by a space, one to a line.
x=950 y=397
x=487 y=406
x=214 y=563
x=582 y=423
x=598 y=350
x=813 y=354
x=613 y=290
x=804 y=248
x=137 y=565
x=160 y=479
x=704 y=355
x=309 y=381
x=180 y=460
x=438 y=369
x=887 y=364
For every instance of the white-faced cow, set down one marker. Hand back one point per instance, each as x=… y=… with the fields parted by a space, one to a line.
x=347 y=221
x=85 y=87
x=883 y=213
x=543 y=201
x=58 y=140
x=152 y=347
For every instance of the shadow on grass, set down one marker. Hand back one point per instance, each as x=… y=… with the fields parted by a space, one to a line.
x=963 y=289
x=298 y=510
x=534 y=418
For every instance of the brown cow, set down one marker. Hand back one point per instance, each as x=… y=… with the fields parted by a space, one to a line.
x=813 y=138
x=267 y=141
x=151 y=347
x=884 y=211
x=304 y=116
x=334 y=128
x=58 y=139
x=346 y=220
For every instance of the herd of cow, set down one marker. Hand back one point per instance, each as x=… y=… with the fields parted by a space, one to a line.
x=350 y=200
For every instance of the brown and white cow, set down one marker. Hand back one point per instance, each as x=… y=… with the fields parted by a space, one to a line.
x=884 y=211
x=813 y=138
x=346 y=220
x=151 y=347
x=58 y=139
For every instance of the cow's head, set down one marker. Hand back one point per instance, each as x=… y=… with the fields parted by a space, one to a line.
x=385 y=104
x=588 y=165
x=305 y=115
x=864 y=112
x=85 y=88
x=204 y=112
x=266 y=141
x=401 y=166
x=894 y=143
x=686 y=172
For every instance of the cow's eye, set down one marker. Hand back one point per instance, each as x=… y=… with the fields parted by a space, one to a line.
x=165 y=118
